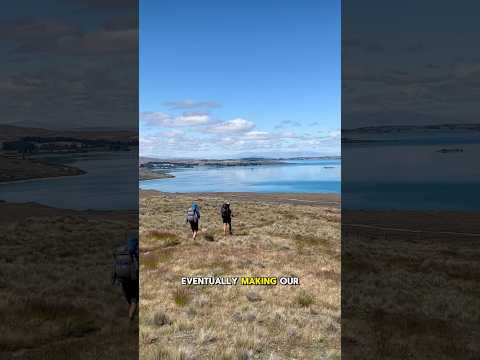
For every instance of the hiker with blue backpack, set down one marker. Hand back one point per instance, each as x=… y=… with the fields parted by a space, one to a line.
x=126 y=271
x=193 y=218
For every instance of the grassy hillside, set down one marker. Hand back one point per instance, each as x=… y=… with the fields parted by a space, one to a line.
x=56 y=300
x=272 y=237
x=411 y=285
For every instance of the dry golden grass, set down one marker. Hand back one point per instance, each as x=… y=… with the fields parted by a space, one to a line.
x=56 y=300
x=239 y=322
x=411 y=295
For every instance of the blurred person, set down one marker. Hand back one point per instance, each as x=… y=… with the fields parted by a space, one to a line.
x=126 y=271
x=193 y=218
x=227 y=215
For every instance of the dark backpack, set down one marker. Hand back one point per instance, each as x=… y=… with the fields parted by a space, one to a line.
x=225 y=211
x=125 y=264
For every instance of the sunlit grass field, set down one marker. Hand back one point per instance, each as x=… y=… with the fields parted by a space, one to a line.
x=271 y=238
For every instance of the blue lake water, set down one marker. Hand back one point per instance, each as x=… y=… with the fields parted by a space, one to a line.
x=107 y=185
x=411 y=175
x=305 y=176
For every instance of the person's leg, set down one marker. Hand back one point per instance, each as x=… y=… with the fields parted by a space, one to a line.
x=225 y=229
x=230 y=227
x=127 y=292
x=132 y=308
x=134 y=294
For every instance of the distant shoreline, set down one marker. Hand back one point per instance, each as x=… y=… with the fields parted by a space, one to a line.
x=148 y=161
x=153 y=169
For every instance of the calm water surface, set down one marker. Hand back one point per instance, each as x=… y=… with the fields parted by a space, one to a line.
x=306 y=176
x=409 y=176
x=107 y=185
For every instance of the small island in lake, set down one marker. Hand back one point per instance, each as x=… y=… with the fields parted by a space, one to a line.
x=147 y=174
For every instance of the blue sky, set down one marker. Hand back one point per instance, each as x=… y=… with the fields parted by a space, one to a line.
x=69 y=64
x=227 y=79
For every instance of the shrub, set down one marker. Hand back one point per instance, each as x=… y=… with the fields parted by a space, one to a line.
x=166 y=238
x=181 y=297
x=304 y=299
x=161 y=319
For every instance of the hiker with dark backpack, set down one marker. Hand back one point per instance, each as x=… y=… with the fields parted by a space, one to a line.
x=126 y=271
x=227 y=215
x=193 y=218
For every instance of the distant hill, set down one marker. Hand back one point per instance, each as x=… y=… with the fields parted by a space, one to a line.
x=412 y=128
x=146 y=159
x=11 y=133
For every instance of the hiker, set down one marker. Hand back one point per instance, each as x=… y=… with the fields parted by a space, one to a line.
x=227 y=215
x=193 y=217
x=126 y=269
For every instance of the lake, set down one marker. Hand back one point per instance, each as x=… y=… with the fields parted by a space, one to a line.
x=412 y=175
x=302 y=176
x=108 y=184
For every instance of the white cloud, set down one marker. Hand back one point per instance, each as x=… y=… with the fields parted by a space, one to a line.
x=257 y=135
x=235 y=126
x=167 y=120
x=192 y=120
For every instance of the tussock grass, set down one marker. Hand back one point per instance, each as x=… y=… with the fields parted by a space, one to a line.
x=400 y=290
x=149 y=261
x=66 y=309
x=304 y=299
x=220 y=322
x=181 y=296
x=161 y=238
x=161 y=319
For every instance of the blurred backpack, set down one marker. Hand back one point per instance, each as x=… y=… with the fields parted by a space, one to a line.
x=125 y=263
x=192 y=214
x=225 y=211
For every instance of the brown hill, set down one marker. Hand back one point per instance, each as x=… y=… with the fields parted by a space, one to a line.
x=11 y=132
